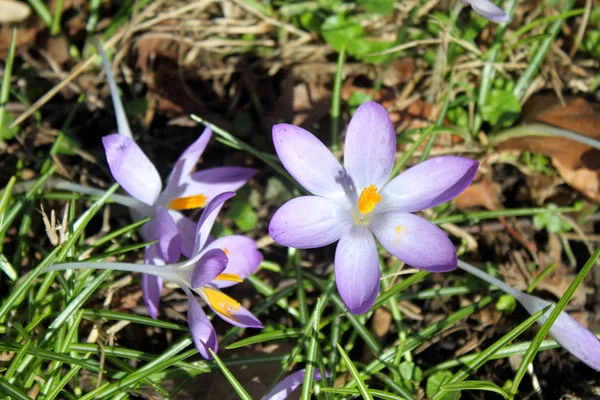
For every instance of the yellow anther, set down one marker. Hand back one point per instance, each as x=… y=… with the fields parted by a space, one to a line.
x=186 y=203
x=368 y=199
x=226 y=251
x=229 y=277
x=221 y=303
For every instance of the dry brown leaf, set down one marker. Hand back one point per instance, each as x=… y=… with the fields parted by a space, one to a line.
x=479 y=194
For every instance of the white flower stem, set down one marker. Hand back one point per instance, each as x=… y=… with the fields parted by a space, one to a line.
x=491 y=280
x=122 y=123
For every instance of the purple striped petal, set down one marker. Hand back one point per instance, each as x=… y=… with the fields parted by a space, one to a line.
x=151 y=284
x=489 y=10
x=284 y=388
x=207 y=219
x=308 y=160
x=131 y=168
x=187 y=231
x=210 y=265
x=428 y=184
x=308 y=222
x=370 y=146
x=244 y=257
x=165 y=231
x=357 y=270
x=414 y=240
x=202 y=331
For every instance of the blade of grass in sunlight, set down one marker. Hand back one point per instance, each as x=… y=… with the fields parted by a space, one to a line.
x=96 y=314
x=475 y=385
x=5 y=131
x=239 y=389
x=545 y=329
x=380 y=394
x=266 y=337
x=362 y=388
x=311 y=356
x=13 y=390
x=336 y=100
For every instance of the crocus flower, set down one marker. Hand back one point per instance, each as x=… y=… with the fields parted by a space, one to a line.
x=489 y=10
x=185 y=189
x=353 y=202
x=567 y=332
x=222 y=262
x=284 y=388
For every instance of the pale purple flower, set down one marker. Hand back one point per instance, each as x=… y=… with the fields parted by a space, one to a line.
x=220 y=263
x=284 y=388
x=355 y=202
x=185 y=189
x=489 y=10
x=570 y=334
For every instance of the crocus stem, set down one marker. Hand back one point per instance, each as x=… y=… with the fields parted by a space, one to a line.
x=519 y=296
x=542 y=130
x=122 y=124
x=59 y=184
x=163 y=271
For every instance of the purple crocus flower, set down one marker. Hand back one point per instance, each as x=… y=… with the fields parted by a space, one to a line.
x=214 y=265
x=185 y=189
x=355 y=202
x=567 y=332
x=489 y=10
x=284 y=388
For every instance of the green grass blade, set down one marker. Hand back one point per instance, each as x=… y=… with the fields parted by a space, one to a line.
x=12 y=390
x=311 y=357
x=266 y=337
x=362 y=388
x=354 y=392
x=239 y=389
x=5 y=131
x=336 y=100
x=476 y=385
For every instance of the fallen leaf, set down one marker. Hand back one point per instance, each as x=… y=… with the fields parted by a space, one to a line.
x=13 y=11
x=482 y=193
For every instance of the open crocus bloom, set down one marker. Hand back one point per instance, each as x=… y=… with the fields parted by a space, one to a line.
x=353 y=202
x=223 y=262
x=570 y=334
x=284 y=388
x=489 y=10
x=185 y=189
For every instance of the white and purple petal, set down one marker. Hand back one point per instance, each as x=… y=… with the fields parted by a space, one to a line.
x=210 y=265
x=284 y=388
x=187 y=231
x=414 y=240
x=489 y=10
x=357 y=269
x=370 y=146
x=244 y=257
x=164 y=229
x=309 y=221
x=308 y=160
x=428 y=184
x=131 y=168
x=152 y=284
x=207 y=219
x=203 y=333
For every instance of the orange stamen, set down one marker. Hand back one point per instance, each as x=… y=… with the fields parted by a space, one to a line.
x=229 y=277
x=221 y=303
x=186 y=203
x=368 y=199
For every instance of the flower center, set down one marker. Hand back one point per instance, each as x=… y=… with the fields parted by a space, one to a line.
x=368 y=199
x=221 y=303
x=186 y=203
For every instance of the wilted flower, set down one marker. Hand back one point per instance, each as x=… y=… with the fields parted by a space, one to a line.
x=185 y=189
x=353 y=202
x=284 y=388
x=212 y=265
x=489 y=10
x=570 y=334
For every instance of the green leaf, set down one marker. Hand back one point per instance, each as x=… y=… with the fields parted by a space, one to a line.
x=356 y=99
x=506 y=303
x=355 y=374
x=383 y=7
x=435 y=382
x=476 y=385
x=502 y=108
x=242 y=214
x=5 y=117
x=341 y=33
x=410 y=373
x=239 y=389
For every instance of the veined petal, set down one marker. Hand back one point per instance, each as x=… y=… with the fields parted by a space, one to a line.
x=489 y=10
x=210 y=265
x=244 y=258
x=208 y=183
x=414 y=240
x=151 y=284
x=207 y=219
x=569 y=333
x=131 y=168
x=203 y=333
x=357 y=270
x=428 y=184
x=284 y=388
x=308 y=222
x=187 y=231
x=228 y=309
x=370 y=146
x=165 y=231
x=308 y=160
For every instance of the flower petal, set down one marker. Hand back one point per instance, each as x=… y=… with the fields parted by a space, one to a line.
x=151 y=284
x=209 y=183
x=308 y=160
x=187 y=231
x=228 y=309
x=131 y=168
x=414 y=240
x=569 y=333
x=357 y=270
x=190 y=156
x=207 y=219
x=370 y=146
x=210 y=265
x=284 y=388
x=428 y=184
x=165 y=230
x=308 y=222
x=244 y=257
x=203 y=333
x=489 y=10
